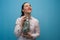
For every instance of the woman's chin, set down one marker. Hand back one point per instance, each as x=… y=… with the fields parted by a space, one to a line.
x=29 y=12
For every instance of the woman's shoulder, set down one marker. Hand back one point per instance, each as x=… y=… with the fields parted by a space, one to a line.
x=18 y=19
x=35 y=19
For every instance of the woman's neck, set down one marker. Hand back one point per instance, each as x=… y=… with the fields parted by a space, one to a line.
x=28 y=15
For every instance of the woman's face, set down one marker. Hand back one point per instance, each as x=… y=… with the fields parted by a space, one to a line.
x=27 y=8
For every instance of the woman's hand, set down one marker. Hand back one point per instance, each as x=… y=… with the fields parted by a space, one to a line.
x=27 y=36
x=23 y=18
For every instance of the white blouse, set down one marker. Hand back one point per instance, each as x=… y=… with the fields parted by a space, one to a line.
x=34 y=29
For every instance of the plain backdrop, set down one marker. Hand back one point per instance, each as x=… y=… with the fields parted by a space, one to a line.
x=46 y=11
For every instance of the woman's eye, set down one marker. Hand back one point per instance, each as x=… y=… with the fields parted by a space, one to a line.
x=29 y=5
x=26 y=6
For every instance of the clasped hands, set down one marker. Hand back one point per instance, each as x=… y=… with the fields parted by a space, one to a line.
x=27 y=36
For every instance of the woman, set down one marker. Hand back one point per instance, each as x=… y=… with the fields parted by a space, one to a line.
x=34 y=24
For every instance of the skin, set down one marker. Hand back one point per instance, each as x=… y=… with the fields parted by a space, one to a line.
x=27 y=12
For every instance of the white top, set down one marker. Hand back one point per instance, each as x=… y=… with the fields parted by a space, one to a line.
x=34 y=29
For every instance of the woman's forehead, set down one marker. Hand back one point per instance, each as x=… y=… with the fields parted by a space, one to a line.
x=26 y=4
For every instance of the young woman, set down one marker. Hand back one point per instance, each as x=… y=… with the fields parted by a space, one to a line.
x=34 y=24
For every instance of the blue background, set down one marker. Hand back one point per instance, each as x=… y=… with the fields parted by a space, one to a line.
x=46 y=11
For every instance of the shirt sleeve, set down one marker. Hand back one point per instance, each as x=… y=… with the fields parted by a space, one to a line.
x=17 y=29
x=37 y=30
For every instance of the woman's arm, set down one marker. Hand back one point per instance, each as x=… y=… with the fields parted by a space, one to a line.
x=37 y=30
x=18 y=28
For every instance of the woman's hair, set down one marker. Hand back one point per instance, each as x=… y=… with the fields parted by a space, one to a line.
x=23 y=8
